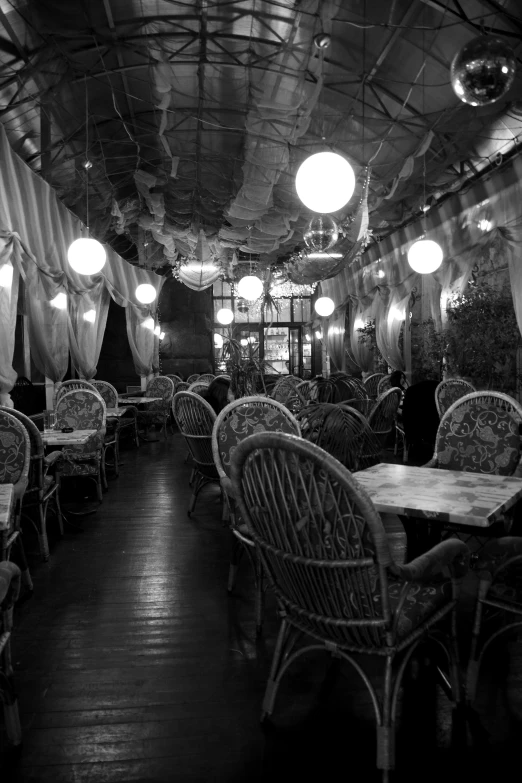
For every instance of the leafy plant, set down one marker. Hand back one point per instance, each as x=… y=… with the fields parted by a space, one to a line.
x=244 y=366
x=428 y=351
x=367 y=337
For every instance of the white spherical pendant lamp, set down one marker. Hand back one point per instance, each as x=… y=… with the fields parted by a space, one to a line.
x=145 y=293
x=325 y=182
x=425 y=256
x=324 y=306
x=225 y=316
x=250 y=288
x=86 y=256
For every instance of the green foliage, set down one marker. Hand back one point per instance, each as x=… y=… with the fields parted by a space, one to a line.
x=244 y=366
x=367 y=337
x=479 y=342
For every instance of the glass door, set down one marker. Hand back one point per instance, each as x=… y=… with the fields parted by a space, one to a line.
x=277 y=353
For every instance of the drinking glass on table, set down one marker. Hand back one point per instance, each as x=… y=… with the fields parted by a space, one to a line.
x=49 y=420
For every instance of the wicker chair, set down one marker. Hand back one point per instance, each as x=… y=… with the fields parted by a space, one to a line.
x=498 y=607
x=327 y=558
x=157 y=413
x=111 y=441
x=371 y=384
x=15 y=463
x=383 y=416
x=448 y=392
x=195 y=419
x=126 y=424
x=234 y=423
x=42 y=485
x=9 y=592
x=84 y=410
x=284 y=388
x=193 y=377
x=183 y=386
x=198 y=386
x=71 y=385
x=207 y=377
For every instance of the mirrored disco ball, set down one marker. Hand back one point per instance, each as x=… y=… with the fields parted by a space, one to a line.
x=483 y=71
x=321 y=233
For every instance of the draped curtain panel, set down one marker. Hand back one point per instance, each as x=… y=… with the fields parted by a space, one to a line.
x=335 y=334
x=36 y=230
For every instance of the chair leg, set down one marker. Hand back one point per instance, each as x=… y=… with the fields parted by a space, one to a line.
x=22 y=564
x=42 y=532
x=12 y=719
x=386 y=729
x=235 y=557
x=260 y=594
x=272 y=683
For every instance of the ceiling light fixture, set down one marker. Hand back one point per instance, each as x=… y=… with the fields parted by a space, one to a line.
x=250 y=288
x=324 y=306
x=225 y=316
x=145 y=293
x=325 y=182
x=86 y=256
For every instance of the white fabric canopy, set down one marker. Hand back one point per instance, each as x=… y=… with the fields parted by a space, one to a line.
x=36 y=230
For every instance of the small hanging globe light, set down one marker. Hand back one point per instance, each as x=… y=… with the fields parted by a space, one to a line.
x=321 y=233
x=325 y=182
x=425 y=256
x=145 y=293
x=242 y=307
x=86 y=256
x=324 y=306
x=250 y=288
x=218 y=340
x=322 y=41
x=483 y=71
x=225 y=316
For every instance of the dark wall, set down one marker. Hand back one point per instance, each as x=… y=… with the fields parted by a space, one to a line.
x=186 y=318
x=115 y=363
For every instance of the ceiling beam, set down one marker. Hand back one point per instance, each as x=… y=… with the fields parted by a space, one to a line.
x=112 y=28
x=445 y=10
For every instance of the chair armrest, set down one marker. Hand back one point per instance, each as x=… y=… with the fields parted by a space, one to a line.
x=10 y=579
x=451 y=554
x=52 y=458
x=497 y=553
x=226 y=485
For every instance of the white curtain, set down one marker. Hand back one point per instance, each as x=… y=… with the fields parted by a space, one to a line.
x=36 y=230
x=336 y=330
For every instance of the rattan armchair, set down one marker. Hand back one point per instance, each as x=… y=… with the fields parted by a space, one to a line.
x=207 y=377
x=449 y=391
x=193 y=377
x=371 y=384
x=71 y=385
x=195 y=419
x=157 y=412
x=198 y=387
x=234 y=423
x=123 y=425
x=42 y=487
x=339 y=590
x=15 y=463
x=383 y=416
x=9 y=592
x=84 y=410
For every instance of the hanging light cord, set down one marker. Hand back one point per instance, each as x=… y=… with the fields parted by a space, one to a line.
x=86 y=154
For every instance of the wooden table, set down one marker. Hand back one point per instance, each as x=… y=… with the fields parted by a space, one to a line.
x=446 y=496
x=138 y=400
x=74 y=438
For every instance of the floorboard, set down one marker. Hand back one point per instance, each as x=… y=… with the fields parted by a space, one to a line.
x=134 y=664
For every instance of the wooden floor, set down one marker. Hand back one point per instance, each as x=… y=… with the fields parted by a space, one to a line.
x=133 y=663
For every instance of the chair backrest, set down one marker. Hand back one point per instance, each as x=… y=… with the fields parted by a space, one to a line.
x=371 y=383
x=285 y=387
x=244 y=417
x=320 y=538
x=195 y=419
x=107 y=392
x=384 y=413
x=81 y=409
x=37 y=448
x=197 y=387
x=15 y=452
x=343 y=432
x=383 y=385
x=160 y=386
x=193 y=377
x=480 y=433
x=67 y=386
x=207 y=377
x=449 y=391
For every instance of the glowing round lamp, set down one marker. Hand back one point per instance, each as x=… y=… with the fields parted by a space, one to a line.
x=6 y=276
x=218 y=341
x=225 y=316
x=324 y=306
x=244 y=342
x=325 y=182
x=145 y=293
x=425 y=256
x=86 y=256
x=250 y=288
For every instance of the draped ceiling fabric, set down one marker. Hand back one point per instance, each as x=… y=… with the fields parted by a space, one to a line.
x=380 y=282
x=36 y=230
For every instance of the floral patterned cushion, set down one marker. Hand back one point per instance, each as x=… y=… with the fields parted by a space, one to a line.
x=161 y=387
x=246 y=420
x=480 y=438
x=13 y=447
x=82 y=410
x=451 y=392
x=422 y=600
x=108 y=394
